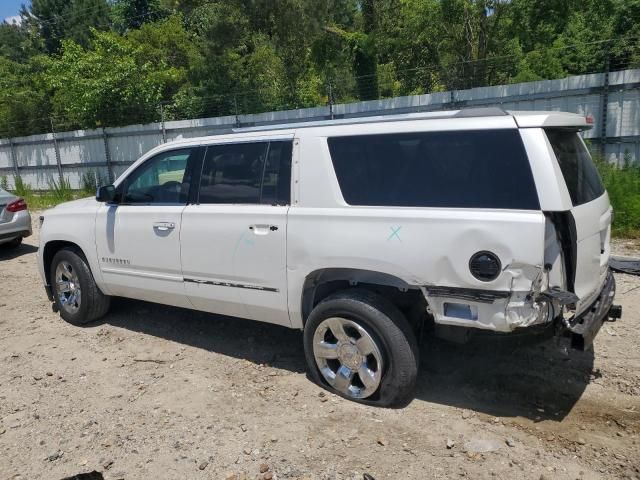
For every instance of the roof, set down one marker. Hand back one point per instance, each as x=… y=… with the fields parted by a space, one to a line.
x=523 y=119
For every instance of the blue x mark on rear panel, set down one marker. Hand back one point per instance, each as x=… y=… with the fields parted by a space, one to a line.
x=394 y=233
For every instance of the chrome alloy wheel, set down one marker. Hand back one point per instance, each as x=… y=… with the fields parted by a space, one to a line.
x=68 y=287
x=348 y=357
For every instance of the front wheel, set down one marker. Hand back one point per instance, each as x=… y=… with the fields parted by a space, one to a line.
x=360 y=346
x=76 y=295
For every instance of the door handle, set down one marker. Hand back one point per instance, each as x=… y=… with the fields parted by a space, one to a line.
x=262 y=229
x=164 y=226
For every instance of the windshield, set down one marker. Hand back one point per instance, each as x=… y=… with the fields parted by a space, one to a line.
x=579 y=172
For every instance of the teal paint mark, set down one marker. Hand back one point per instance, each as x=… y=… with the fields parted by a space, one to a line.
x=395 y=233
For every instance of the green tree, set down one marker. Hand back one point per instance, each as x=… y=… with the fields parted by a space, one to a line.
x=24 y=105
x=55 y=20
x=111 y=83
x=132 y=14
x=15 y=42
x=626 y=24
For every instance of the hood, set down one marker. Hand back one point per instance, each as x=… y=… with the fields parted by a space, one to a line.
x=74 y=204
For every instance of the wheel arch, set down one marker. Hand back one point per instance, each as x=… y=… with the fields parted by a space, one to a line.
x=49 y=251
x=321 y=283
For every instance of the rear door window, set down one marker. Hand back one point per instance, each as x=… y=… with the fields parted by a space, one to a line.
x=579 y=172
x=247 y=173
x=461 y=169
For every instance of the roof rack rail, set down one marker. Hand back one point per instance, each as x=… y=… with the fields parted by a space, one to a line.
x=481 y=112
x=377 y=118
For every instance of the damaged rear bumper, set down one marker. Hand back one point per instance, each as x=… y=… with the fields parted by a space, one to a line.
x=584 y=327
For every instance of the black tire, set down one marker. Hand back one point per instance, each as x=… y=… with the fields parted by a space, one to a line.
x=390 y=330
x=93 y=304
x=15 y=243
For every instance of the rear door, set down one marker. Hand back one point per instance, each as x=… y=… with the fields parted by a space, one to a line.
x=233 y=239
x=591 y=212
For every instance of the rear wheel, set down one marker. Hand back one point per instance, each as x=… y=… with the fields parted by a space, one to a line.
x=360 y=346
x=76 y=295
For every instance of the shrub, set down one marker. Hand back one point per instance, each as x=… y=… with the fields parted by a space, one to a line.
x=623 y=185
x=61 y=191
x=22 y=189
x=89 y=183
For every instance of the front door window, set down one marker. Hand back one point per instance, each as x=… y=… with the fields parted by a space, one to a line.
x=164 y=179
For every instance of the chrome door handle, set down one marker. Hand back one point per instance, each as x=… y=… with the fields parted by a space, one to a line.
x=260 y=229
x=164 y=226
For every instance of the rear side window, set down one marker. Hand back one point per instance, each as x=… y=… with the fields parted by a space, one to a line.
x=579 y=172
x=461 y=169
x=247 y=173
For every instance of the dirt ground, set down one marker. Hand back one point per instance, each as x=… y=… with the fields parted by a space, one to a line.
x=163 y=393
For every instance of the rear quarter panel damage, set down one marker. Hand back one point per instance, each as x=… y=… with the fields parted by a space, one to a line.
x=423 y=247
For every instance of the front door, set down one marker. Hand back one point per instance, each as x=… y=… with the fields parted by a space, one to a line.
x=233 y=239
x=138 y=239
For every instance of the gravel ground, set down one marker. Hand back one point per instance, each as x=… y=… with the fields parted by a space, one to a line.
x=158 y=392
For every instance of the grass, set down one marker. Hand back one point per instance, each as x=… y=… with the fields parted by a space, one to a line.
x=623 y=185
x=59 y=191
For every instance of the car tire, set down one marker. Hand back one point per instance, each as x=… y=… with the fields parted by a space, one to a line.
x=389 y=359
x=69 y=265
x=15 y=243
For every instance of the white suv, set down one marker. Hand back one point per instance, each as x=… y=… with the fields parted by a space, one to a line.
x=361 y=232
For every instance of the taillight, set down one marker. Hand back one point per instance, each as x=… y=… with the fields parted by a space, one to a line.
x=16 y=206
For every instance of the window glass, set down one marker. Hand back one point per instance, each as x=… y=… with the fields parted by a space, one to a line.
x=579 y=172
x=463 y=169
x=276 y=187
x=162 y=179
x=257 y=172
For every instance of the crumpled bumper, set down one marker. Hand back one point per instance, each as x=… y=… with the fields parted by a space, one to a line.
x=583 y=328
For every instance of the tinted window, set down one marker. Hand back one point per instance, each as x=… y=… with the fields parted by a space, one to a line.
x=579 y=172
x=162 y=179
x=276 y=187
x=464 y=169
x=246 y=173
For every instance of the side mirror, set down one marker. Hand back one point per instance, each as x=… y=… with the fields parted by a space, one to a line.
x=106 y=194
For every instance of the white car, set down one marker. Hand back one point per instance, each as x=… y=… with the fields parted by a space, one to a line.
x=15 y=220
x=361 y=232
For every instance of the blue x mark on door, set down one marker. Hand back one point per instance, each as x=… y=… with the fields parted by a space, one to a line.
x=394 y=233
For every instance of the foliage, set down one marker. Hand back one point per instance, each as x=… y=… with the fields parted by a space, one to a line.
x=61 y=190
x=89 y=63
x=90 y=181
x=107 y=84
x=52 y=21
x=132 y=14
x=623 y=186
x=4 y=182
x=21 y=188
x=23 y=100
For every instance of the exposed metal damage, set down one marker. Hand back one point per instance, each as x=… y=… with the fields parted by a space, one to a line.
x=522 y=306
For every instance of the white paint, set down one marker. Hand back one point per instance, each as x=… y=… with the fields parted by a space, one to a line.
x=214 y=249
